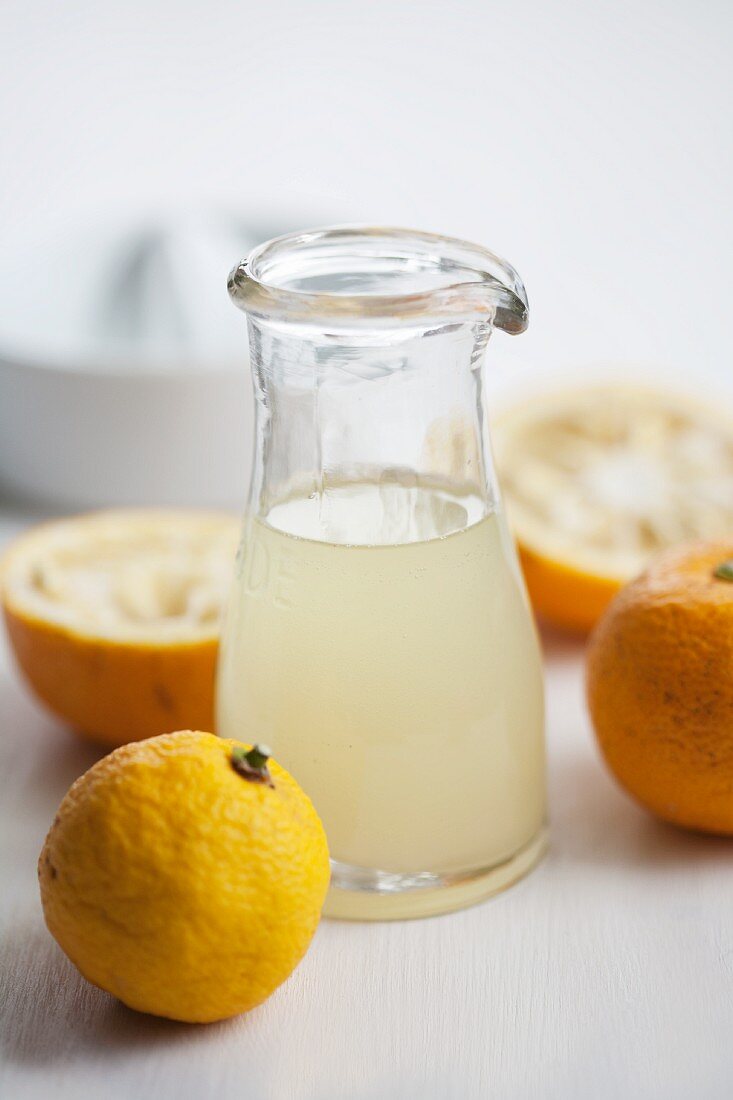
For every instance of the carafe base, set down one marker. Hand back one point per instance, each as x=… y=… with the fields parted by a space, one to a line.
x=358 y=893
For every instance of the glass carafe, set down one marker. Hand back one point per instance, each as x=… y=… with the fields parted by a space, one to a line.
x=378 y=636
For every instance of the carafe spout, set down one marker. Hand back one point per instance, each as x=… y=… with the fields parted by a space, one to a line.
x=355 y=277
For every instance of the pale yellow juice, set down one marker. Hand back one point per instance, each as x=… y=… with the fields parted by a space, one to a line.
x=400 y=683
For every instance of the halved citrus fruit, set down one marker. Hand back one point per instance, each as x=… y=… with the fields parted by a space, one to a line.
x=114 y=618
x=597 y=479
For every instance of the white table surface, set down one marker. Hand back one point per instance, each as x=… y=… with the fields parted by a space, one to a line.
x=607 y=973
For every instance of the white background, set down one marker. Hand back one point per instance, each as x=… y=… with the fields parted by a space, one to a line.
x=588 y=141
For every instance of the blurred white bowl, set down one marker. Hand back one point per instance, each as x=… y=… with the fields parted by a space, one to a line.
x=124 y=372
x=80 y=438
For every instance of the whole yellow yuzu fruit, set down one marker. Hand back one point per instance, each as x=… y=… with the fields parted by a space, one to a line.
x=182 y=879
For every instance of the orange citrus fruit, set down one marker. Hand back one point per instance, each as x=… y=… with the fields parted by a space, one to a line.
x=599 y=478
x=660 y=686
x=114 y=617
x=185 y=875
